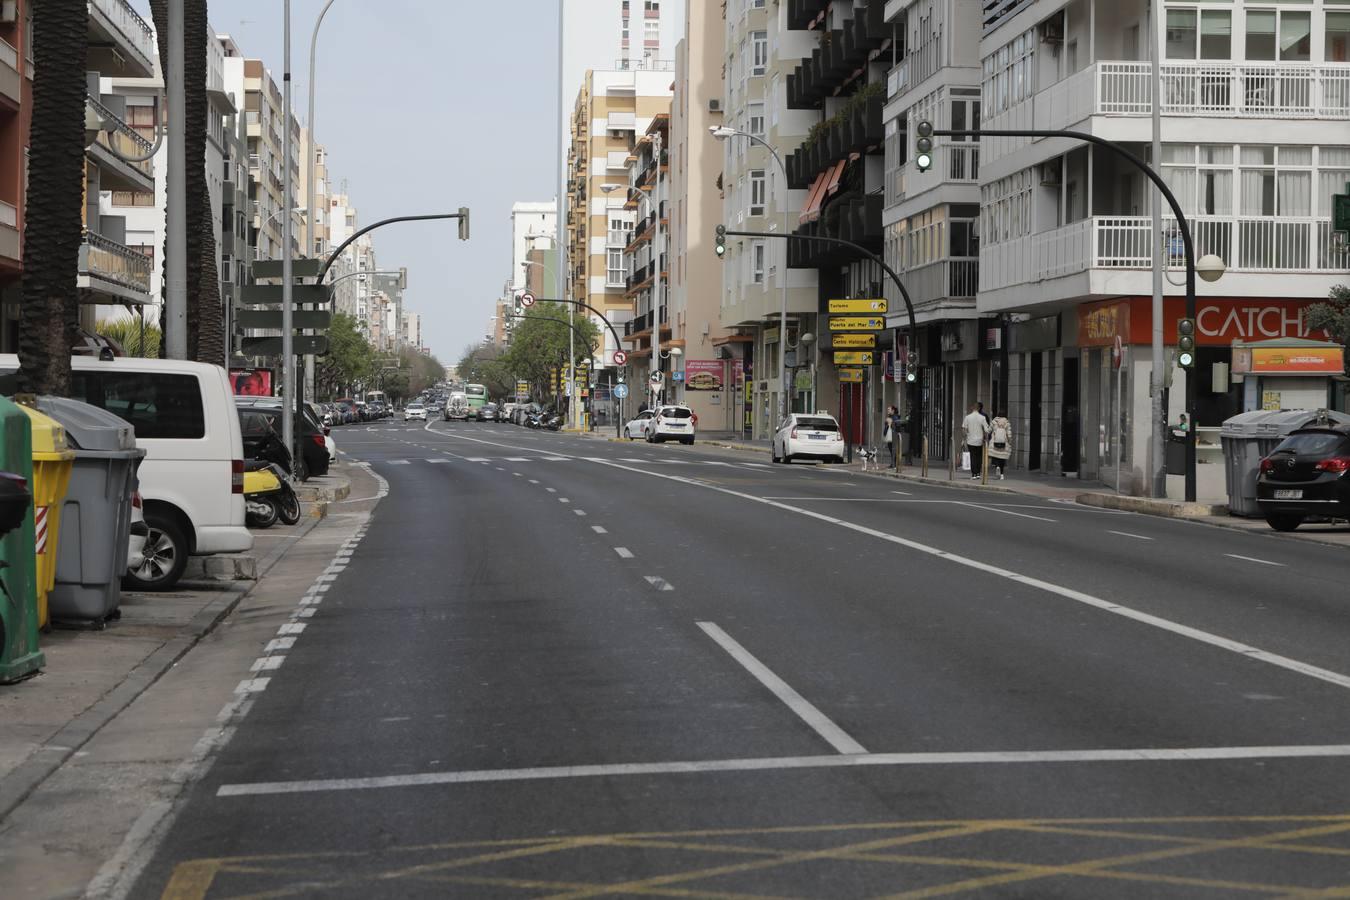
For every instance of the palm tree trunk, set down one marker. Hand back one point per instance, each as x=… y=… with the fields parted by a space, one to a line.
x=205 y=312
x=49 y=317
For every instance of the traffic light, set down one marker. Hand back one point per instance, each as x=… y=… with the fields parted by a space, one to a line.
x=1186 y=343
x=721 y=248
x=923 y=145
x=463 y=223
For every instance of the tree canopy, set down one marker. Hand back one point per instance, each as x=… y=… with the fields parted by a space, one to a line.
x=539 y=342
x=1334 y=316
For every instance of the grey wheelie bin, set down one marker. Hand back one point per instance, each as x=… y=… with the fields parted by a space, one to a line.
x=96 y=516
x=1249 y=437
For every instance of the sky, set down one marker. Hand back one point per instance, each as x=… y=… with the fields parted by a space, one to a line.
x=429 y=105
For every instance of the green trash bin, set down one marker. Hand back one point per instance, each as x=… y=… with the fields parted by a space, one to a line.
x=19 y=653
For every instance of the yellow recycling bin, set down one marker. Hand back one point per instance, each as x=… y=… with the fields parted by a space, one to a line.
x=52 y=462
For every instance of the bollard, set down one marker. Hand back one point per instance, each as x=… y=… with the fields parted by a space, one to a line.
x=925 y=456
x=984 y=475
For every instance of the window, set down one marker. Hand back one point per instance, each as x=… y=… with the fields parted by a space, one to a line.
x=158 y=406
x=614 y=267
x=757 y=186
x=756 y=4
x=1201 y=177
x=755 y=120
x=1181 y=33
x=757 y=262
x=1199 y=34
x=1293 y=27
x=1010 y=72
x=759 y=60
x=1276 y=181
x=1338 y=37
x=133 y=198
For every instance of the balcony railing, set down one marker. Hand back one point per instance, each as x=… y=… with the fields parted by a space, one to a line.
x=1256 y=244
x=122 y=139
x=956 y=278
x=1244 y=90
x=9 y=214
x=963 y=162
x=110 y=261
x=8 y=54
x=127 y=21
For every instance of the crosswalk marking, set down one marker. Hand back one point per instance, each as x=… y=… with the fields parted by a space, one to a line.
x=437 y=460
x=396 y=462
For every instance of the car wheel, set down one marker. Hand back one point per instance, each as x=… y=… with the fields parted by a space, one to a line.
x=628 y=434
x=787 y=459
x=688 y=442
x=165 y=556
x=773 y=453
x=1284 y=522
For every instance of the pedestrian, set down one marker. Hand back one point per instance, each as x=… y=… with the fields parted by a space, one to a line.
x=891 y=430
x=979 y=405
x=1000 y=442
x=976 y=427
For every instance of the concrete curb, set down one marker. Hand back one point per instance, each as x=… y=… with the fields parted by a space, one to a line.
x=1171 y=509
x=19 y=784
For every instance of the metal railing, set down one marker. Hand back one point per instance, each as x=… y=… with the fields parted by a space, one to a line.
x=1243 y=90
x=122 y=139
x=9 y=214
x=952 y=278
x=963 y=162
x=9 y=53
x=129 y=22
x=104 y=258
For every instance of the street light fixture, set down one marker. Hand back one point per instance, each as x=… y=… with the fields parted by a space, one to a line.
x=1210 y=268
x=725 y=132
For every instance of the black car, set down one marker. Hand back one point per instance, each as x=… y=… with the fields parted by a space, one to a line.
x=310 y=433
x=487 y=412
x=1307 y=475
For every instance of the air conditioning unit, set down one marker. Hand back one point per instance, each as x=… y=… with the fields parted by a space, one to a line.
x=1050 y=174
x=714 y=105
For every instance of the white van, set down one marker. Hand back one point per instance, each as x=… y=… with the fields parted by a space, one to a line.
x=192 y=478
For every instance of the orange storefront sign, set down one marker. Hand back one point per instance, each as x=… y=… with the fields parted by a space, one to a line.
x=1219 y=321
x=1309 y=361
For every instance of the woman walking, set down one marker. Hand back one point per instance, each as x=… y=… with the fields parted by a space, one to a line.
x=1000 y=442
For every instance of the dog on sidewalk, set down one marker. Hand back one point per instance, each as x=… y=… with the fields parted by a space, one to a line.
x=870 y=458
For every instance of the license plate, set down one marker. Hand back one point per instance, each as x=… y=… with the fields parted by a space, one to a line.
x=816 y=437
x=1289 y=495
x=674 y=424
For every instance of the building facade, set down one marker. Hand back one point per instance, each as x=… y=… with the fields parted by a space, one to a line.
x=16 y=109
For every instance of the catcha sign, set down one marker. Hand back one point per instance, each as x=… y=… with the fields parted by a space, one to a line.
x=1219 y=321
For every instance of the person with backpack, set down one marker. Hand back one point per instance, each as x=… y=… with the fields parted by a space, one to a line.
x=1000 y=442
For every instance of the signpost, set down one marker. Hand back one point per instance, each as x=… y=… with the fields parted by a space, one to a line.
x=620 y=357
x=850 y=376
x=857 y=323
x=527 y=299
x=620 y=390
x=852 y=358
x=853 y=341
x=858 y=306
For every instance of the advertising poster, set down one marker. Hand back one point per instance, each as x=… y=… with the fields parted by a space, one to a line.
x=703 y=374
x=251 y=382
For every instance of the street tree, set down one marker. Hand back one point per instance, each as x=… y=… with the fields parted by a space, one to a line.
x=349 y=359
x=539 y=342
x=485 y=364
x=53 y=229
x=424 y=369
x=205 y=311
x=1334 y=316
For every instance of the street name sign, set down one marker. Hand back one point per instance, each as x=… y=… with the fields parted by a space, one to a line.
x=857 y=323
x=852 y=358
x=853 y=341
x=271 y=318
x=850 y=376
x=270 y=294
x=858 y=306
x=300 y=268
x=302 y=344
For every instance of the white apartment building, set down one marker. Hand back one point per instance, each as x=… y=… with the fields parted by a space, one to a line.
x=533 y=225
x=1254 y=122
x=759 y=53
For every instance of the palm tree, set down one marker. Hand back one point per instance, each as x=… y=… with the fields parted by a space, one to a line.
x=205 y=311
x=49 y=316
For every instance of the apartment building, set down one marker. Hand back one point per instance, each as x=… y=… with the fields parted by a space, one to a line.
x=121 y=45
x=533 y=225
x=1255 y=114
x=352 y=273
x=16 y=107
x=266 y=141
x=640 y=43
x=710 y=382
x=612 y=108
x=761 y=49
x=647 y=263
x=317 y=234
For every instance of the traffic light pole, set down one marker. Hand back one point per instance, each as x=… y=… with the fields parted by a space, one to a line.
x=617 y=342
x=916 y=432
x=1183 y=226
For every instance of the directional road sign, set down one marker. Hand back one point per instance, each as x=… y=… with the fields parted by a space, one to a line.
x=656 y=378
x=620 y=357
x=527 y=299
x=858 y=306
x=850 y=376
x=271 y=318
x=270 y=294
x=620 y=391
x=853 y=341
x=300 y=268
x=302 y=344
x=857 y=323
x=852 y=358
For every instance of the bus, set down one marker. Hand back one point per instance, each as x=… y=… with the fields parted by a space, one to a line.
x=373 y=397
x=477 y=395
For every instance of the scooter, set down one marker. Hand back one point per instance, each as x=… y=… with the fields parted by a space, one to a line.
x=268 y=494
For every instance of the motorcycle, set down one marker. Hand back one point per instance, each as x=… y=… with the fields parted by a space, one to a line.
x=268 y=495
x=551 y=421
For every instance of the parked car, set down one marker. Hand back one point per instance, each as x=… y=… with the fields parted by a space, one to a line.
x=191 y=479
x=809 y=436
x=636 y=427
x=414 y=410
x=506 y=411
x=313 y=447
x=672 y=423
x=1307 y=475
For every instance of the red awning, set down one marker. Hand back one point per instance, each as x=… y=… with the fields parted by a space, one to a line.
x=814 y=198
x=833 y=187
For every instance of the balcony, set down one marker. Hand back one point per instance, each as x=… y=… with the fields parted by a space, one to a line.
x=616 y=160
x=11 y=83
x=852 y=217
x=112 y=273
x=856 y=128
x=802 y=14
x=120 y=41
x=10 y=246
x=621 y=121
x=1281 y=245
x=116 y=173
x=956 y=278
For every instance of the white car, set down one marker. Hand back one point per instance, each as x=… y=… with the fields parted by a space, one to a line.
x=809 y=436
x=414 y=411
x=637 y=427
x=672 y=423
x=137 y=534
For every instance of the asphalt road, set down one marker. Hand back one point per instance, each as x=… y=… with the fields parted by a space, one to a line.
x=565 y=667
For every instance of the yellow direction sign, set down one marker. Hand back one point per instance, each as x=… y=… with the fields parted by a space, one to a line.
x=853 y=341
x=857 y=323
x=852 y=358
x=858 y=306
x=851 y=376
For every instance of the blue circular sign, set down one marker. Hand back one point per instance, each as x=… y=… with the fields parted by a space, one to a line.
x=620 y=391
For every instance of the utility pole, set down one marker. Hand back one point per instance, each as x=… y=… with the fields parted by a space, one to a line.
x=311 y=154
x=175 y=246
x=1158 y=437
x=290 y=404
x=561 y=276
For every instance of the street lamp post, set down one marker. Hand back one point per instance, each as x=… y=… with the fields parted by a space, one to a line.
x=722 y=133
x=311 y=156
x=656 y=256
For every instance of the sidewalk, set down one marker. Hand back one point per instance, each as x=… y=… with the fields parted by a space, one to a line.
x=93 y=675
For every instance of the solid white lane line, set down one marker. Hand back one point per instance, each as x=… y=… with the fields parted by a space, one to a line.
x=835 y=736
x=517 y=459
x=1006 y=512
x=779 y=763
x=599 y=529
x=1138 y=537
x=1264 y=562
x=396 y=462
x=624 y=552
x=554 y=458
